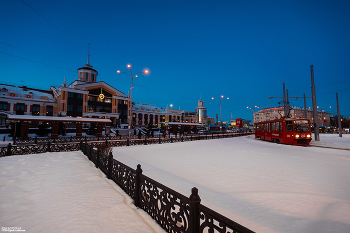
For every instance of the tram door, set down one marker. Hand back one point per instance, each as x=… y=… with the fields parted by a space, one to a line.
x=268 y=132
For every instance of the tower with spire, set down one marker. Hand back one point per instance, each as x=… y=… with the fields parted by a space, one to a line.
x=201 y=112
x=87 y=73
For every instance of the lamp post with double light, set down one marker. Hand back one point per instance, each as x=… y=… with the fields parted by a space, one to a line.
x=253 y=111
x=220 y=99
x=132 y=76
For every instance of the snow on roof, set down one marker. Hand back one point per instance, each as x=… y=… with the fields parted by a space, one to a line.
x=26 y=90
x=182 y=123
x=50 y=118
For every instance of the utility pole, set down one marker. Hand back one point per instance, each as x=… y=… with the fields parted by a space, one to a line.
x=305 y=110
x=339 y=121
x=284 y=101
x=314 y=105
x=287 y=105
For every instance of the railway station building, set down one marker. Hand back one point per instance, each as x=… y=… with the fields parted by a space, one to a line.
x=86 y=97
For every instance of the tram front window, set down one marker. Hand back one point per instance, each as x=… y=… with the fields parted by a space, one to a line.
x=301 y=126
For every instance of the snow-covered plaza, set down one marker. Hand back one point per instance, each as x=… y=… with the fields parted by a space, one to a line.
x=263 y=186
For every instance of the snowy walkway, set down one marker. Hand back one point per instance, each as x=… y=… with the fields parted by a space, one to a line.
x=264 y=186
x=64 y=192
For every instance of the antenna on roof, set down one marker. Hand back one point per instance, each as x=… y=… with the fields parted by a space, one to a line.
x=88 y=54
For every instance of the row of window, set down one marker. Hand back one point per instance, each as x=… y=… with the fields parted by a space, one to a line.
x=93 y=77
x=92 y=108
x=70 y=108
x=98 y=99
x=21 y=106
x=75 y=95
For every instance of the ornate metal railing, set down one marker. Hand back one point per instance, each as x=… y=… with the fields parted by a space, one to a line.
x=136 y=140
x=37 y=148
x=173 y=211
x=56 y=145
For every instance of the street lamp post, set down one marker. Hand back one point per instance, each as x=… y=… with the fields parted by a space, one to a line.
x=253 y=111
x=132 y=86
x=220 y=99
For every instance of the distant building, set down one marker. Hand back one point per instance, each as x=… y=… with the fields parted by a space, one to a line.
x=201 y=112
x=25 y=101
x=296 y=113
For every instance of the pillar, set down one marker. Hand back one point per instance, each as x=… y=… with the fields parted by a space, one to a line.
x=99 y=130
x=174 y=129
x=54 y=129
x=79 y=130
x=24 y=129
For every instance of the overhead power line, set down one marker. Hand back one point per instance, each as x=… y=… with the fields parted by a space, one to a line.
x=52 y=24
x=37 y=54
x=38 y=62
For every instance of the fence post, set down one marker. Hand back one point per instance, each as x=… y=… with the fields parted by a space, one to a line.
x=85 y=138
x=110 y=165
x=81 y=146
x=90 y=154
x=159 y=139
x=49 y=146
x=137 y=186
x=127 y=142
x=106 y=142
x=171 y=140
x=36 y=140
x=194 y=222
x=145 y=143
x=98 y=158
x=9 y=150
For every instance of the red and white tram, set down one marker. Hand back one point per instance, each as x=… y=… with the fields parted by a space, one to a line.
x=286 y=131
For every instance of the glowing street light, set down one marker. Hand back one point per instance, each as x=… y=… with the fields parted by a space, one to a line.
x=253 y=111
x=220 y=99
x=146 y=71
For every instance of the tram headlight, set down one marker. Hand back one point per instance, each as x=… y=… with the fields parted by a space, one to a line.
x=297 y=136
x=308 y=136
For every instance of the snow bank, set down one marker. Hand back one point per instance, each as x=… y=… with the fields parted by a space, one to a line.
x=63 y=192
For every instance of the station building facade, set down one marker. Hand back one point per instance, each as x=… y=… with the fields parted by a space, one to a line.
x=87 y=98
x=25 y=101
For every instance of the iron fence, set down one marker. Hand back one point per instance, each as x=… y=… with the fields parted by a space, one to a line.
x=136 y=140
x=173 y=211
x=56 y=145
x=37 y=148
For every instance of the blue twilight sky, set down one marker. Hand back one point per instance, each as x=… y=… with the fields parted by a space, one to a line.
x=243 y=50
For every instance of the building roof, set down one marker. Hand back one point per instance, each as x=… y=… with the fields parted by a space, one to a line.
x=26 y=90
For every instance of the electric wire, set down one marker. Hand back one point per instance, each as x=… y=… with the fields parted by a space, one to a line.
x=52 y=24
x=37 y=54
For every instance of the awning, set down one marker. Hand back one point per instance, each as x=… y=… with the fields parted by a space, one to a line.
x=60 y=119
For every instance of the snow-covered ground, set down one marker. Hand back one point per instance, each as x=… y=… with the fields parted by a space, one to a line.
x=264 y=186
x=64 y=192
x=332 y=140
